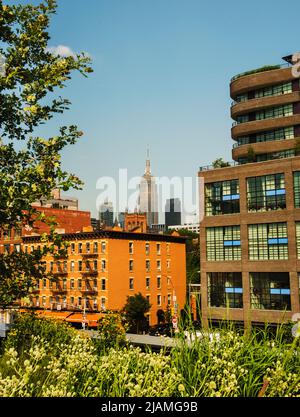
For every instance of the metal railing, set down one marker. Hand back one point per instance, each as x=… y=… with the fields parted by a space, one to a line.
x=210 y=167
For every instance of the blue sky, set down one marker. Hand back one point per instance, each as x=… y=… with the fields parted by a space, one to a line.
x=162 y=73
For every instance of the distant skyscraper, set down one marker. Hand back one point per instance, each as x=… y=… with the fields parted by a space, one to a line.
x=121 y=219
x=148 y=195
x=173 y=212
x=106 y=215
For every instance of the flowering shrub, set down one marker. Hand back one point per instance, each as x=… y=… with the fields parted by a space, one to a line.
x=78 y=370
x=69 y=364
x=111 y=330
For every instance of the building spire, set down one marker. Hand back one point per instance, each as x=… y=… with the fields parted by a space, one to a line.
x=148 y=164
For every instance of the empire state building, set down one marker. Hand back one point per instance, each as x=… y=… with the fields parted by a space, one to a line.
x=148 y=199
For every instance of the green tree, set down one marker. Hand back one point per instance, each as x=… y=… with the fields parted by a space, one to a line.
x=251 y=157
x=192 y=255
x=30 y=165
x=220 y=163
x=135 y=309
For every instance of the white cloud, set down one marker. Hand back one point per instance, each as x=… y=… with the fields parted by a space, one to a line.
x=61 y=50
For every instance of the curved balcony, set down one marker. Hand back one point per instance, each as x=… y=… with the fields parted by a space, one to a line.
x=258 y=80
x=263 y=147
x=247 y=128
x=257 y=104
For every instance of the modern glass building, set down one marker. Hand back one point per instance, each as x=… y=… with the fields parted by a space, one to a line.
x=250 y=233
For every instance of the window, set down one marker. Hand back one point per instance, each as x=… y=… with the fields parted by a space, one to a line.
x=72 y=301
x=147 y=283
x=87 y=266
x=275 y=90
x=297 y=189
x=79 y=301
x=103 y=303
x=95 y=247
x=6 y=249
x=274 y=112
x=131 y=248
x=72 y=248
x=79 y=284
x=103 y=265
x=65 y=266
x=17 y=248
x=158 y=265
x=7 y=234
x=131 y=265
x=278 y=134
x=95 y=283
x=103 y=247
x=148 y=298
x=225 y=289
x=168 y=263
x=158 y=280
x=79 y=265
x=266 y=193
x=241 y=98
x=242 y=119
x=147 y=265
x=298 y=239
x=44 y=301
x=131 y=282
x=270 y=290
x=64 y=284
x=103 y=284
x=72 y=266
x=147 y=248
x=79 y=247
x=159 y=300
x=223 y=243
x=44 y=283
x=72 y=284
x=88 y=247
x=274 y=155
x=158 y=248
x=169 y=299
x=95 y=265
x=17 y=234
x=168 y=248
x=268 y=241
x=222 y=198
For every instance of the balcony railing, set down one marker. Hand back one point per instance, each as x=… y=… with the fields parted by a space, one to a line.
x=59 y=290
x=89 y=254
x=60 y=272
x=90 y=272
x=89 y=290
x=210 y=167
